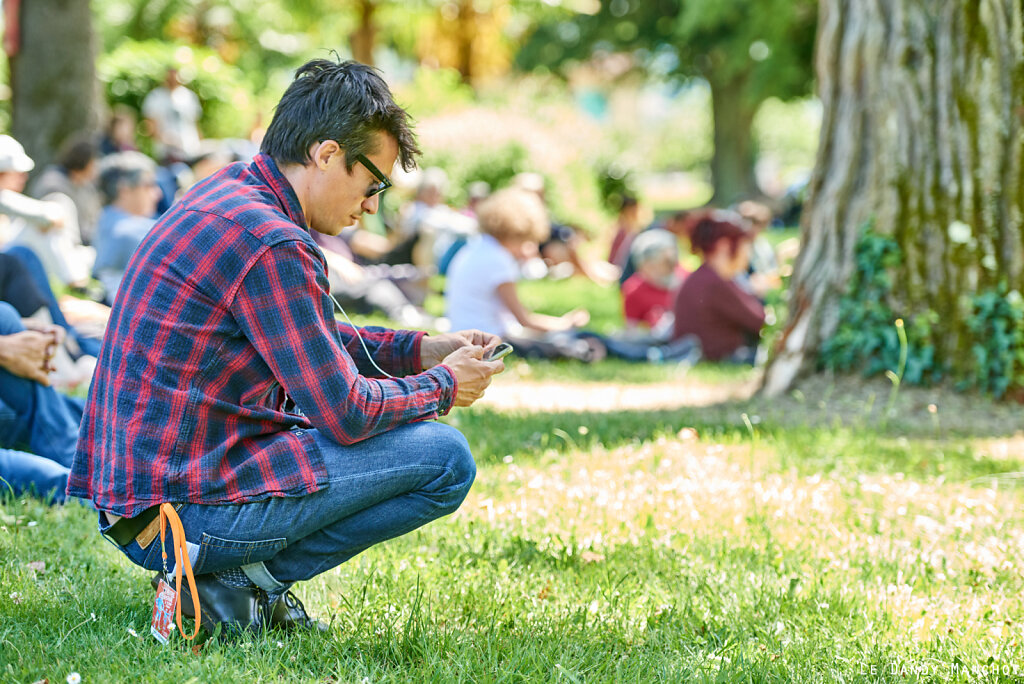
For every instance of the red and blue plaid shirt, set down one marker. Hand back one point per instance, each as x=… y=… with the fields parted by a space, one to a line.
x=222 y=350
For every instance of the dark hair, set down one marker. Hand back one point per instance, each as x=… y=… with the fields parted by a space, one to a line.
x=627 y=202
x=77 y=151
x=123 y=170
x=347 y=102
x=707 y=227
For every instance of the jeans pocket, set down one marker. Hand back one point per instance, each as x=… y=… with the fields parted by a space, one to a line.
x=216 y=554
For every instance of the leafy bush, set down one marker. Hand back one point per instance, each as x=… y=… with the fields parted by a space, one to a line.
x=997 y=326
x=614 y=183
x=867 y=338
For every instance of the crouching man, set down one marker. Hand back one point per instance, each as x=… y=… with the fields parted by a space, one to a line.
x=287 y=441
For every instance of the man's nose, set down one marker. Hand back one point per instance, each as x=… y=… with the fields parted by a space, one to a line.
x=371 y=204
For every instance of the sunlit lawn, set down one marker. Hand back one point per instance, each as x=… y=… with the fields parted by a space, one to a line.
x=793 y=540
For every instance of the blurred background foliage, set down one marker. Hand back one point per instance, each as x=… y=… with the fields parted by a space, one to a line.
x=596 y=95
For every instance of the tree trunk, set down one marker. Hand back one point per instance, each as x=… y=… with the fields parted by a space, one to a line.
x=922 y=136
x=465 y=36
x=364 y=37
x=54 y=91
x=732 y=166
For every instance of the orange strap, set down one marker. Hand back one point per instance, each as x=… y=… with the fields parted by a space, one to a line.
x=167 y=512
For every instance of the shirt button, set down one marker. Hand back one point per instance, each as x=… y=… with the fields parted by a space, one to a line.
x=299 y=432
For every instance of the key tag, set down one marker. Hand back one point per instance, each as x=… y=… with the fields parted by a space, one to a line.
x=163 y=606
x=166 y=606
x=163 y=610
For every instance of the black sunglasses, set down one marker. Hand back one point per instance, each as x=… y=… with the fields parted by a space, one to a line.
x=383 y=182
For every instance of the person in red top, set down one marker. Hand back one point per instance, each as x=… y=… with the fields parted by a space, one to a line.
x=725 y=318
x=288 y=441
x=647 y=294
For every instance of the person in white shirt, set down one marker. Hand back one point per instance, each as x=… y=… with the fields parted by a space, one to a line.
x=39 y=226
x=481 y=286
x=172 y=113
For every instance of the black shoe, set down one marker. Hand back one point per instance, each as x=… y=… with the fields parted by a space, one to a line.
x=236 y=608
x=289 y=613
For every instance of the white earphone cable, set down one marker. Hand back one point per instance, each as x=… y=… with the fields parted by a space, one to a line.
x=361 y=340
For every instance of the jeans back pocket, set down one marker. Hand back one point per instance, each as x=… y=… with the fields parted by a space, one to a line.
x=216 y=554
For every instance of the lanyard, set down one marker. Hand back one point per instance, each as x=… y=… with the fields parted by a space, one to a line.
x=167 y=512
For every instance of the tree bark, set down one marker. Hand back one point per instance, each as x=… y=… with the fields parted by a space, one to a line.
x=465 y=35
x=364 y=38
x=54 y=91
x=921 y=135
x=732 y=165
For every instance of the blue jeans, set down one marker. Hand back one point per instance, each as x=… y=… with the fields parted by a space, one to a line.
x=27 y=473
x=34 y=419
x=378 y=489
x=35 y=268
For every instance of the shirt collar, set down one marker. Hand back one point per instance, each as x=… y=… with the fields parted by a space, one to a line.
x=267 y=169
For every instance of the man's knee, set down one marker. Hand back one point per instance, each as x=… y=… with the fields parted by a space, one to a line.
x=10 y=321
x=451 y=444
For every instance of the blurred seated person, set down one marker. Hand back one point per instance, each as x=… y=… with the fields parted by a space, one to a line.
x=481 y=288
x=561 y=249
x=627 y=225
x=37 y=225
x=128 y=184
x=213 y=156
x=398 y=291
x=25 y=286
x=647 y=302
x=763 y=273
x=676 y=224
x=71 y=182
x=33 y=300
x=709 y=304
x=119 y=133
x=647 y=294
x=38 y=426
x=476 y=192
x=427 y=226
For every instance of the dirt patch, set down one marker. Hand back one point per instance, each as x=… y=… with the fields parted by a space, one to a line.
x=527 y=395
x=853 y=401
x=821 y=401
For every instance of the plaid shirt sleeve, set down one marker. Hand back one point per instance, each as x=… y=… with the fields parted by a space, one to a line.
x=396 y=351
x=283 y=308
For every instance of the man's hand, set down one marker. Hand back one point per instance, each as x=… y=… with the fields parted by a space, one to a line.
x=435 y=348
x=577 y=318
x=48 y=328
x=28 y=354
x=472 y=373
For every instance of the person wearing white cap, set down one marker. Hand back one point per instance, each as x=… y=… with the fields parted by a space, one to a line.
x=36 y=224
x=14 y=168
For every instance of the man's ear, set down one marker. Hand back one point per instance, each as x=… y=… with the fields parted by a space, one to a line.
x=322 y=152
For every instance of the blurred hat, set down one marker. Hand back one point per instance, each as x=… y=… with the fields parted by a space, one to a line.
x=478 y=190
x=13 y=157
x=529 y=181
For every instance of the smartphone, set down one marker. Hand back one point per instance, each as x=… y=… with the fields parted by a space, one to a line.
x=499 y=352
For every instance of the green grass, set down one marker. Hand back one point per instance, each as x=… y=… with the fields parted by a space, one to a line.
x=805 y=538
x=601 y=547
